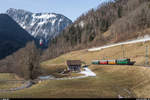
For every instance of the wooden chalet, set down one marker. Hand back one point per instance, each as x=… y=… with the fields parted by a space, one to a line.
x=74 y=65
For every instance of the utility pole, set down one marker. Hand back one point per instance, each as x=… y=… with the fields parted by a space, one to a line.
x=123 y=51
x=116 y=36
x=146 y=56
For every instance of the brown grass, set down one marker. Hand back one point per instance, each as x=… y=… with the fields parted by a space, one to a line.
x=136 y=52
x=8 y=76
x=111 y=80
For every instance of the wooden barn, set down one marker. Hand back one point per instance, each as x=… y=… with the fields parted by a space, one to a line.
x=74 y=65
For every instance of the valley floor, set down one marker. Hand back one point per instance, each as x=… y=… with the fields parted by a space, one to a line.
x=111 y=81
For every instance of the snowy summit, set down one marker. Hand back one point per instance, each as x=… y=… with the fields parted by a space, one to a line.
x=42 y=26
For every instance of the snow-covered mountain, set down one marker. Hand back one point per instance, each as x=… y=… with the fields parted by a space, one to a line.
x=43 y=26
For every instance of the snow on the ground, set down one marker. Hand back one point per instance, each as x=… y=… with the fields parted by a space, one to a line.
x=141 y=39
x=119 y=96
x=46 y=77
x=87 y=72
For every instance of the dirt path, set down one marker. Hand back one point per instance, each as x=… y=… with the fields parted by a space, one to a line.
x=87 y=73
x=25 y=85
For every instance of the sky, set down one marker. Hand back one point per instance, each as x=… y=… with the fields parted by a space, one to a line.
x=69 y=8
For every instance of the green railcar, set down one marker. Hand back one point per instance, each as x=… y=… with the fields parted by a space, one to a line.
x=95 y=62
x=123 y=61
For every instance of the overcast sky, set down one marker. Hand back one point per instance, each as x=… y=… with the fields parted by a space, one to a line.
x=70 y=8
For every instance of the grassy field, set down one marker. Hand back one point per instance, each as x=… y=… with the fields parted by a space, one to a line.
x=111 y=80
x=7 y=81
x=9 y=85
x=7 y=76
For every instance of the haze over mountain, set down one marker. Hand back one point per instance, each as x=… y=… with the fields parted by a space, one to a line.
x=42 y=26
x=12 y=36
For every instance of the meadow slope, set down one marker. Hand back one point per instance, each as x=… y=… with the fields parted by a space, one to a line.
x=110 y=81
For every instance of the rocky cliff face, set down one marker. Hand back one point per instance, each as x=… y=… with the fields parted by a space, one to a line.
x=43 y=26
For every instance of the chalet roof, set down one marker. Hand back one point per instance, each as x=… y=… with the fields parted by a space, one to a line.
x=73 y=62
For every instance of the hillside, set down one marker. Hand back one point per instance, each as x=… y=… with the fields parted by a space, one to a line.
x=111 y=22
x=12 y=36
x=117 y=29
x=135 y=51
x=110 y=81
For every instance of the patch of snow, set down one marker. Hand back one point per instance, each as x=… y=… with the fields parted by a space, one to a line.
x=43 y=16
x=41 y=23
x=46 y=77
x=32 y=23
x=53 y=21
x=81 y=24
x=120 y=96
x=22 y=25
x=88 y=72
x=61 y=20
x=140 y=39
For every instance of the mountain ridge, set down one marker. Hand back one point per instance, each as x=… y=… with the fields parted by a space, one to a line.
x=12 y=36
x=42 y=26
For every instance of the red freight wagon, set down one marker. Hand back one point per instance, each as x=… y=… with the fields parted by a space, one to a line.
x=103 y=62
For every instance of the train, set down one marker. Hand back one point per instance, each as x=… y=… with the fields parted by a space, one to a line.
x=114 y=62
